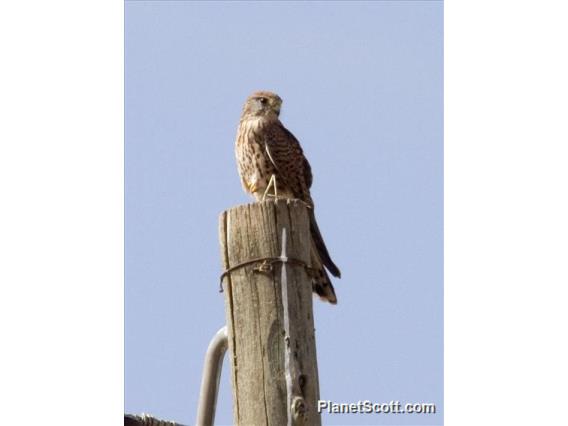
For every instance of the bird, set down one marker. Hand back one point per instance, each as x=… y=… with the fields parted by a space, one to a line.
x=271 y=163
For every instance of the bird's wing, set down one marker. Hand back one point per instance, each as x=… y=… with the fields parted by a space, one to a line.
x=287 y=156
x=285 y=152
x=307 y=169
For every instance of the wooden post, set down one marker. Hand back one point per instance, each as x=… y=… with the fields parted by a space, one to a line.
x=254 y=303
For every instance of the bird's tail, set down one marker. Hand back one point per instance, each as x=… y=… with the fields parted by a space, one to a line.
x=321 y=284
x=321 y=248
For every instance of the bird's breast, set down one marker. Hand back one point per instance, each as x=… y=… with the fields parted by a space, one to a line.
x=254 y=167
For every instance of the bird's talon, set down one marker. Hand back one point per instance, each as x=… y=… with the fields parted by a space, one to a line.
x=271 y=184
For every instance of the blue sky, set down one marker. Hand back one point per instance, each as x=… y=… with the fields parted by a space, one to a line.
x=362 y=88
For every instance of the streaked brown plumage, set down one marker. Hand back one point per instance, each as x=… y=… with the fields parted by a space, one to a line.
x=264 y=147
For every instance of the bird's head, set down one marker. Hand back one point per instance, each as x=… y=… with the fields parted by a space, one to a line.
x=262 y=104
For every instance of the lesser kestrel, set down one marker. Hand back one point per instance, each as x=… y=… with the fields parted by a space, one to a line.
x=269 y=157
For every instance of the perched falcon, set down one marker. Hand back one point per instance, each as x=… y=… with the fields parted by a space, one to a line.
x=270 y=157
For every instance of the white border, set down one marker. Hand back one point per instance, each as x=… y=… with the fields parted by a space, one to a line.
x=506 y=213
x=61 y=214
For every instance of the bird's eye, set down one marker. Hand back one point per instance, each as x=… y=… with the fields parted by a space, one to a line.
x=263 y=100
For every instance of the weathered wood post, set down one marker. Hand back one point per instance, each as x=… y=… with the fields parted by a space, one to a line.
x=264 y=348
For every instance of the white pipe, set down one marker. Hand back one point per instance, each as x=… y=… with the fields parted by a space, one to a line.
x=211 y=377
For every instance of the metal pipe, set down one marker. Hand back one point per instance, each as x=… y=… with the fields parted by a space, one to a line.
x=211 y=377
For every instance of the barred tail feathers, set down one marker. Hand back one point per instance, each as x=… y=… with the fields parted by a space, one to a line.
x=321 y=284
